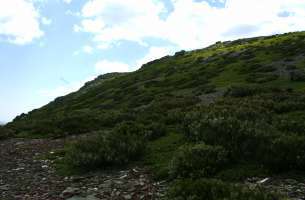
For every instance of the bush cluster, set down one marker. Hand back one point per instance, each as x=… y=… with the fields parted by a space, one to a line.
x=198 y=160
x=210 y=189
x=251 y=130
x=297 y=75
x=120 y=146
x=5 y=133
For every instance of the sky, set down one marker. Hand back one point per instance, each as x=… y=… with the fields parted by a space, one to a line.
x=49 y=48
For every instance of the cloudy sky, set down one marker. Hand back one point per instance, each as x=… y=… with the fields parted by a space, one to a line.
x=49 y=48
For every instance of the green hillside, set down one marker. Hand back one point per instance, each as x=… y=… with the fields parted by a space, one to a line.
x=207 y=118
x=173 y=82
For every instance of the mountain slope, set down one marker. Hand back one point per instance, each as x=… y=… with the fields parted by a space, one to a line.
x=207 y=120
x=172 y=82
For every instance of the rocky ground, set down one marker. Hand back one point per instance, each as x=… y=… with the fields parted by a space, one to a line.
x=26 y=175
x=293 y=188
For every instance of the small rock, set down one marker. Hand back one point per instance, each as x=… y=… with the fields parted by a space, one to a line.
x=127 y=196
x=4 y=187
x=265 y=180
x=69 y=192
x=90 y=197
x=124 y=176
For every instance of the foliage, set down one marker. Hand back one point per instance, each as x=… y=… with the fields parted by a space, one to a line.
x=5 y=133
x=229 y=106
x=197 y=189
x=251 y=129
x=297 y=75
x=122 y=145
x=160 y=152
x=199 y=160
x=171 y=83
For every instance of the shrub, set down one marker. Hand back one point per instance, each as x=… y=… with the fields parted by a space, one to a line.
x=296 y=126
x=286 y=153
x=253 y=130
x=122 y=145
x=155 y=130
x=180 y=53
x=297 y=75
x=199 y=160
x=5 y=133
x=243 y=139
x=190 y=189
x=261 y=77
x=242 y=91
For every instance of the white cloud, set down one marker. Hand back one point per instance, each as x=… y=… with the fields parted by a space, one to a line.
x=106 y=66
x=19 y=21
x=46 y=21
x=101 y=67
x=153 y=54
x=67 y=1
x=191 y=24
x=134 y=21
x=64 y=89
x=88 y=49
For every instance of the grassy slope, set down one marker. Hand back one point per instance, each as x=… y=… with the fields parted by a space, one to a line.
x=169 y=83
x=166 y=90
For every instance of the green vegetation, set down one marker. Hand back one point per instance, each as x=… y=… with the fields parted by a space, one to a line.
x=254 y=129
x=189 y=189
x=226 y=112
x=159 y=153
x=5 y=133
x=125 y=143
x=172 y=82
x=198 y=160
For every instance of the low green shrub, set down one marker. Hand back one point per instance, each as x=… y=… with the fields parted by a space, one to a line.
x=291 y=125
x=285 y=153
x=155 y=130
x=261 y=77
x=124 y=144
x=297 y=75
x=242 y=91
x=198 y=160
x=253 y=129
x=5 y=133
x=210 y=189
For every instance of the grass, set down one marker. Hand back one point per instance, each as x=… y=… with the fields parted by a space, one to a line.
x=160 y=152
x=228 y=77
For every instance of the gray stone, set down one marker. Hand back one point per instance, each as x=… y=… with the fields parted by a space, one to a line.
x=90 y=197
x=69 y=192
x=127 y=196
x=4 y=187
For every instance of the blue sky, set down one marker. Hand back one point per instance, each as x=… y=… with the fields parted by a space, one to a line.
x=49 y=48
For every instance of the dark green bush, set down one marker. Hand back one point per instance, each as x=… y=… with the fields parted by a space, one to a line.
x=243 y=139
x=291 y=125
x=285 y=153
x=297 y=75
x=198 y=160
x=155 y=130
x=261 y=77
x=180 y=53
x=252 y=131
x=242 y=91
x=5 y=133
x=209 y=189
x=122 y=145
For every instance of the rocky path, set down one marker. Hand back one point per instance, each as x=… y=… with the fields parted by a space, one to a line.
x=25 y=175
x=293 y=188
